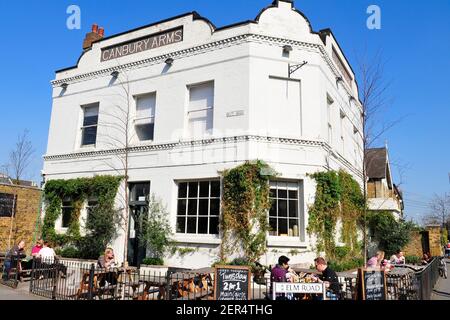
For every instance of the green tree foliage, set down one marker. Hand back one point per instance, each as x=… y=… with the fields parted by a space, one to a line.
x=391 y=234
x=245 y=203
x=157 y=235
x=101 y=225
x=338 y=196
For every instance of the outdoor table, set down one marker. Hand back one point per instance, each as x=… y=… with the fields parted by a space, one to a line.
x=182 y=282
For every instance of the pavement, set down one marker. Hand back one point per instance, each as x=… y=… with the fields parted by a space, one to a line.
x=21 y=293
x=442 y=289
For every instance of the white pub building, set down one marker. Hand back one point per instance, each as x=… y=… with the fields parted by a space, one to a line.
x=189 y=100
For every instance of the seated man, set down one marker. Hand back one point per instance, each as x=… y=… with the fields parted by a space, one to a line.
x=329 y=278
x=279 y=272
x=398 y=258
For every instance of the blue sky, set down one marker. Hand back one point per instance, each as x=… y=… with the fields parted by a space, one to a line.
x=414 y=39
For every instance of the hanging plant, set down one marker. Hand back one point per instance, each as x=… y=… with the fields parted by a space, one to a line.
x=245 y=203
x=100 y=227
x=338 y=196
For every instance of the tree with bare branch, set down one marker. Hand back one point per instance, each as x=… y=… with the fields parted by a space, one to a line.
x=20 y=157
x=375 y=99
x=439 y=210
x=116 y=119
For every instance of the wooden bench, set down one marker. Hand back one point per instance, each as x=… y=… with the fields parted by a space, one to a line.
x=97 y=290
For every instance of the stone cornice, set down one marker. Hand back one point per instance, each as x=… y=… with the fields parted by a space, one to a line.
x=203 y=143
x=220 y=44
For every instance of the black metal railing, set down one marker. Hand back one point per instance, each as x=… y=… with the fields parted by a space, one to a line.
x=427 y=279
x=78 y=280
x=10 y=271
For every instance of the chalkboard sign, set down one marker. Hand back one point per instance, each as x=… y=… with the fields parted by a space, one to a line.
x=372 y=284
x=7 y=205
x=232 y=283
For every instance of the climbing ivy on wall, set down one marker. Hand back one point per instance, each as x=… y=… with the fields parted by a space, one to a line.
x=101 y=225
x=338 y=197
x=245 y=203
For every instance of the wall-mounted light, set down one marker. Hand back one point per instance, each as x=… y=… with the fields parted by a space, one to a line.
x=287 y=49
x=339 y=79
x=351 y=98
x=115 y=74
x=169 y=61
x=64 y=86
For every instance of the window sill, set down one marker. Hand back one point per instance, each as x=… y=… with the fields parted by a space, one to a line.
x=195 y=238
x=87 y=148
x=286 y=242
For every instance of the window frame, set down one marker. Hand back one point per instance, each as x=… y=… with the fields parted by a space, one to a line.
x=198 y=216
x=189 y=87
x=84 y=127
x=152 y=119
x=72 y=207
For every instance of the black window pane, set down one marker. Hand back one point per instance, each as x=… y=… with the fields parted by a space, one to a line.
x=293 y=208
x=282 y=193
x=66 y=215
x=89 y=136
x=181 y=225
x=203 y=225
x=90 y=120
x=145 y=132
x=182 y=190
x=214 y=225
x=215 y=189
x=273 y=209
x=192 y=207
x=193 y=189
x=139 y=191
x=203 y=207
x=273 y=227
x=192 y=225
x=273 y=193
x=215 y=207
x=283 y=227
x=181 y=207
x=282 y=208
x=204 y=189
x=293 y=194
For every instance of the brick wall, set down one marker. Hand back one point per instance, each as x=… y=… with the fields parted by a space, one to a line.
x=435 y=240
x=414 y=247
x=24 y=223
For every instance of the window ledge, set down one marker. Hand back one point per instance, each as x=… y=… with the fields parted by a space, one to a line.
x=194 y=238
x=289 y=242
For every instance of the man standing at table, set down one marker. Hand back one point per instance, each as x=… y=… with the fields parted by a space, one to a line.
x=329 y=278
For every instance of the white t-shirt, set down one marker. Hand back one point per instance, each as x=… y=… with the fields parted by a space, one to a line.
x=47 y=255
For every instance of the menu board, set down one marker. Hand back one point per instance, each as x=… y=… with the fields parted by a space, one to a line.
x=372 y=284
x=232 y=283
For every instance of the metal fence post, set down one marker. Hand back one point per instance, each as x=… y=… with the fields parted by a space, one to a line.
x=168 y=289
x=91 y=282
x=32 y=275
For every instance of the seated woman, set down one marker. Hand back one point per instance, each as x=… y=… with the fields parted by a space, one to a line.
x=107 y=261
x=376 y=261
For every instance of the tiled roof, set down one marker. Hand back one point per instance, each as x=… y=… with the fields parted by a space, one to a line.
x=376 y=162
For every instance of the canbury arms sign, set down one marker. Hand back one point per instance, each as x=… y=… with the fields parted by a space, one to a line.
x=142 y=44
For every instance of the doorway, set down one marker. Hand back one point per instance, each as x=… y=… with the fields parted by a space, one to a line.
x=139 y=199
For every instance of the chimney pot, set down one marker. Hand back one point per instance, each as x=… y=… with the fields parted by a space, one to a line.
x=101 y=32
x=95 y=28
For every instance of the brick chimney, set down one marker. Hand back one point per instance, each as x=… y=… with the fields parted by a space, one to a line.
x=96 y=34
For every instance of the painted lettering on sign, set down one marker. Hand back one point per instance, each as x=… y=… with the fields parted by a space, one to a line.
x=142 y=44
